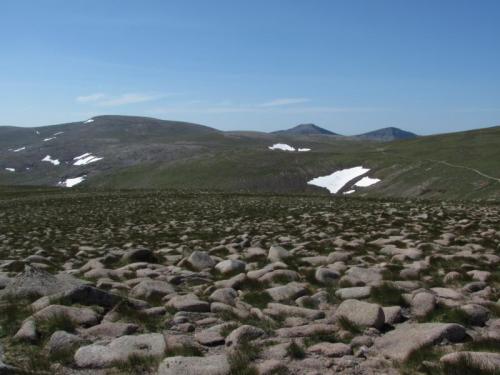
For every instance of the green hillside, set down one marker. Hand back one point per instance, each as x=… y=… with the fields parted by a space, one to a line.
x=138 y=152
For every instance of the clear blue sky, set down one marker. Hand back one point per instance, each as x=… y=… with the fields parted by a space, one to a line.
x=350 y=66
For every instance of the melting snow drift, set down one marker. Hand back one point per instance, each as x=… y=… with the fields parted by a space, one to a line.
x=85 y=159
x=366 y=181
x=89 y=121
x=10 y=169
x=50 y=160
x=49 y=139
x=285 y=147
x=336 y=181
x=70 y=182
x=19 y=149
x=282 y=147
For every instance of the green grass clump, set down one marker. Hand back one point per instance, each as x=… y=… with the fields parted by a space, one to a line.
x=56 y=322
x=130 y=314
x=295 y=351
x=12 y=314
x=349 y=326
x=483 y=345
x=30 y=359
x=137 y=364
x=387 y=294
x=414 y=363
x=185 y=351
x=241 y=359
x=444 y=314
x=465 y=365
x=331 y=296
x=227 y=329
x=258 y=299
x=320 y=337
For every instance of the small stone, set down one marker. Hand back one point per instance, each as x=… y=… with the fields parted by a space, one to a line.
x=330 y=349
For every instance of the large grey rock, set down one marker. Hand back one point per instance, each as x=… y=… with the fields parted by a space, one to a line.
x=62 y=341
x=355 y=292
x=400 y=343
x=278 y=309
x=200 y=260
x=361 y=313
x=27 y=332
x=326 y=276
x=139 y=255
x=358 y=276
x=224 y=295
x=423 y=304
x=212 y=365
x=277 y=254
x=188 y=302
x=242 y=334
x=329 y=349
x=211 y=336
x=36 y=282
x=119 y=350
x=306 y=330
x=477 y=314
x=289 y=291
x=84 y=295
x=79 y=315
x=147 y=289
x=230 y=266
x=487 y=362
x=392 y=314
x=110 y=330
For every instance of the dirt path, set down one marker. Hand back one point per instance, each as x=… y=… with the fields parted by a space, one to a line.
x=470 y=169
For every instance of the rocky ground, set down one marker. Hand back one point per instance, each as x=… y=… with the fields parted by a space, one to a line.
x=164 y=283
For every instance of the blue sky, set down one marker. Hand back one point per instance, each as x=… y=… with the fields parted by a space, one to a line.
x=350 y=66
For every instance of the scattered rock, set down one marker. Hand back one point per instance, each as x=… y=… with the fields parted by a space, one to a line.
x=212 y=365
x=361 y=313
x=406 y=338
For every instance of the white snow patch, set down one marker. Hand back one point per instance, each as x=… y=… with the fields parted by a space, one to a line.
x=50 y=160
x=282 y=147
x=366 y=181
x=58 y=133
x=82 y=156
x=85 y=159
x=49 y=139
x=349 y=192
x=303 y=149
x=70 y=182
x=37 y=132
x=19 y=149
x=336 y=181
x=10 y=169
x=89 y=121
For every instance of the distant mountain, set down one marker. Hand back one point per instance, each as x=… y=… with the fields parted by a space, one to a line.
x=123 y=152
x=305 y=129
x=387 y=135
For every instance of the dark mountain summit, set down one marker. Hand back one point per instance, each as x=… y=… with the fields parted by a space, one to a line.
x=387 y=134
x=306 y=129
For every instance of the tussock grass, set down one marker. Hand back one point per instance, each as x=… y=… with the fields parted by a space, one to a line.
x=349 y=326
x=241 y=359
x=137 y=364
x=387 y=294
x=258 y=299
x=295 y=351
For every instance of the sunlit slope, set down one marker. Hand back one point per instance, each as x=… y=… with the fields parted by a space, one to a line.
x=427 y=167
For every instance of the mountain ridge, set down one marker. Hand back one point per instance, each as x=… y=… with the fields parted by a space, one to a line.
x=138 y=152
